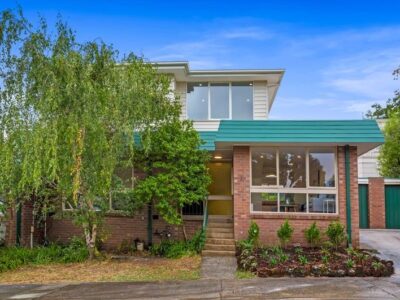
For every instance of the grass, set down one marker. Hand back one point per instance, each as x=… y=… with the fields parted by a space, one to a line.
x=244 y=275
x=138 y=269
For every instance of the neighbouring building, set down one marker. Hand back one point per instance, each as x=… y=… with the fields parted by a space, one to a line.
x=263 y=170
x=379 y=197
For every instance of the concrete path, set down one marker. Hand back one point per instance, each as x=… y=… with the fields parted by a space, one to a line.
x=260 y=288
x=385 y=241
x=218 y=267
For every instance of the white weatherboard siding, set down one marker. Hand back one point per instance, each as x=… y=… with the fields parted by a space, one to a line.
x=180 y=89
x=368 y=164
x=206 y=125
x=260 y=100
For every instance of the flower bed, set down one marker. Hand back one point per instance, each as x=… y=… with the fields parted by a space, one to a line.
x=301 y=262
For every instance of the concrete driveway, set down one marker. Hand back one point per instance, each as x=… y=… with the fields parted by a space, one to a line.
x=385 y=241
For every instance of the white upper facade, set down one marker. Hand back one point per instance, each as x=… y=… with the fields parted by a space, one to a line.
x=208 y=96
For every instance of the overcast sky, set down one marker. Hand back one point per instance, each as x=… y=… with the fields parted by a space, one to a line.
x=338 y=57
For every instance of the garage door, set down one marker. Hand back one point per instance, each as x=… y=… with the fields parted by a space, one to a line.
x=363 y=205
x=392 y=206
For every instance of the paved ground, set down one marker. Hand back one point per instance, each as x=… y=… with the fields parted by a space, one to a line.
x=385 y=241
x=213 y=267
x=282 y=288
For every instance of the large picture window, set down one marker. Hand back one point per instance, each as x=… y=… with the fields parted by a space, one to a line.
x=293 y=180
x=217 y=101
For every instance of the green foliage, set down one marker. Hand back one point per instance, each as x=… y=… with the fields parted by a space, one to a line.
x=377 y=265
x=303 y=260
x=325 y=259
x=244 y=275
x=298 y=250
x=389 y=155
x=283 y=258
x=285 y=233
x=177 y=249
x=336 y=234
x=245 y=245
x=175 y=167
x=313 y=235
x=14 y=257
x=277 y=250
x=349 y=263
x=273 y=261
x=69 y=111
x=253 y=233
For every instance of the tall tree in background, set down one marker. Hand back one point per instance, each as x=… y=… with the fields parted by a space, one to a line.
x=389 y=156
x=393 y=104
x=68 y=113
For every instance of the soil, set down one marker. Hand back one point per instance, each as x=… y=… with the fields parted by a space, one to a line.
x=317 y=262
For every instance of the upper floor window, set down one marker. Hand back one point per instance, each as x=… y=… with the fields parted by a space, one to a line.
x=216 y=101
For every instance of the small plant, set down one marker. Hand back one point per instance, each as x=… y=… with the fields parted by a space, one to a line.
x=313 y=235
x=350 y=263
x=283 y=258
x=325 y=259
x=253 y=233
x=244 y=245
x=285 y=233
x=303 y=260
x=336 y=234
x=298 y=250
x=273 y=261
x=377 y=265
x=264 y=254
x=351 y=251
x=277 y=250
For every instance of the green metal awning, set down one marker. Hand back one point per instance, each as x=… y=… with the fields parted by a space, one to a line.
x=338 y=132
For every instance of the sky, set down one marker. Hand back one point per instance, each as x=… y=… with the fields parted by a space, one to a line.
x=338 y=55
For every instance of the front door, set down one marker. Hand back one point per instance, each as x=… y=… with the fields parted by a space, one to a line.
x=220 y=189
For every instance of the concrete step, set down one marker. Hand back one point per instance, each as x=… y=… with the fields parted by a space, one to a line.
x=220 y=219
x=220 y=230
x=220 y=241
x=217 y=253
x=220 y=235
x=219 y=247
x=220 y=225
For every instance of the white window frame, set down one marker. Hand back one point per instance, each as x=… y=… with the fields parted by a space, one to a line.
x=277 y=189
x=208 y=84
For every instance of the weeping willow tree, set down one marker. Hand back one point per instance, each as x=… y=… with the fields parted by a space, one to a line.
x=68 y=114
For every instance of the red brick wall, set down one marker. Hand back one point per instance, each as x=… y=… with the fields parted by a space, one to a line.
x=241 y=191
x=269 y=223
x=376 y=203
x=120 y=228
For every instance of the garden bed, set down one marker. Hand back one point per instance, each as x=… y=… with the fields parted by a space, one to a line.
x=317 y=262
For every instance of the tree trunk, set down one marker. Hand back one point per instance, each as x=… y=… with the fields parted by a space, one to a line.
x=183 y=227
x=90 y=236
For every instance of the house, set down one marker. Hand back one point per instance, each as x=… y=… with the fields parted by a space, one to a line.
x=266 y=171
x=379 y=197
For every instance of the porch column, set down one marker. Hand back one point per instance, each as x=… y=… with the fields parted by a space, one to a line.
x=241 y=191
x=376 y=202
x=353 y=191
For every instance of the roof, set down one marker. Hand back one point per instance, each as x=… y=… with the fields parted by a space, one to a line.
x=365 y=133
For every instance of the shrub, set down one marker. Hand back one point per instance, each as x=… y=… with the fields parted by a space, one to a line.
x=176 y=249
x=349 y=263
x=15 y=257
x=336 y=234
x=198 y=241
x=313 y=234
x=253 y=233
x=285 y=233
x=303 y=260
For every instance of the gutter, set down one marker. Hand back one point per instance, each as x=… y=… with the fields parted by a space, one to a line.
x=348 y=194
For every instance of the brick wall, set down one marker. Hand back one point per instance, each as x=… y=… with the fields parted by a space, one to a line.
x=376 y=203
x=120 y=228
x=241 y=191
x=269 y=223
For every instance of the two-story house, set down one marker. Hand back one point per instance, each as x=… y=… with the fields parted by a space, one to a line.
x=263 y=170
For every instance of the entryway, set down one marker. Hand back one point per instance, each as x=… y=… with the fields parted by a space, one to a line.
x=392 y=206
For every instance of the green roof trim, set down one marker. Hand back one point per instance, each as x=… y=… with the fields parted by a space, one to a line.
x=273 y=131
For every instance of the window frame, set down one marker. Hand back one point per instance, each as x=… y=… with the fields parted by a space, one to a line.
x=230 y=107
x=307 y=190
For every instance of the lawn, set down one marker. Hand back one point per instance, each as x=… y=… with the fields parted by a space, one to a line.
x=136 y=269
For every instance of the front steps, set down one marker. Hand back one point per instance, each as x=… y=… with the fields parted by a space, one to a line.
x=220 y=239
